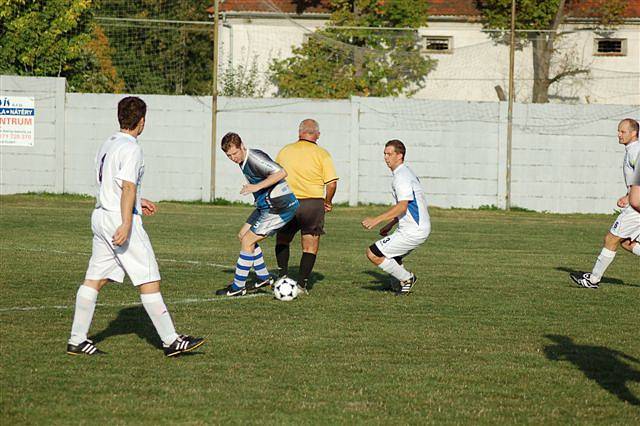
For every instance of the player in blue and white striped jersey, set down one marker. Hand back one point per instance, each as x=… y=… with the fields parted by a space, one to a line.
x=410 y=213
x=275 y=206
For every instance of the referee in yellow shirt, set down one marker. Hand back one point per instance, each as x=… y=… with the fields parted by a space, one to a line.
x=312 y=177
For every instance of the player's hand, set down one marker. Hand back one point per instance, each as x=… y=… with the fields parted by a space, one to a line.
x=248 y=189
x=328 y=207
x=148 y=208
x=623 y=201
x=369 y=222
x=121 y=235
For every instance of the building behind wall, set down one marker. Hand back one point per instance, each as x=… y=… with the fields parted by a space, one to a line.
x=470 y=64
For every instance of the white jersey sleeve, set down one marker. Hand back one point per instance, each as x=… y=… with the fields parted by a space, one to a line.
x=630 y=164
x=130 y=164
x=402 y=187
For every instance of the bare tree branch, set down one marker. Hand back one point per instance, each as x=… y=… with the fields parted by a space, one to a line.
x=564 y=74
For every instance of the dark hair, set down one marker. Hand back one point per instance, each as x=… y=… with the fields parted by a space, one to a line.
x=398 y=147
x=130 y=111
x=230 y=139
x=633 y=124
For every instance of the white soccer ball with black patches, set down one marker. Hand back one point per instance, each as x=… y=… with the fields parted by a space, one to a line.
x=285 y=289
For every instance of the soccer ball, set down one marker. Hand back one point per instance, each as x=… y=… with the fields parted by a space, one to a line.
x=285 y=289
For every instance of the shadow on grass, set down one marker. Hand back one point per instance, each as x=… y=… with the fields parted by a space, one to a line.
x=607 y=367
x=381 y=282
x=604 y=280
x=132 y=320
x=314 y=278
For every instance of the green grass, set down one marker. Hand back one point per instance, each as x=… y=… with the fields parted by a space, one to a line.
x=494 y=331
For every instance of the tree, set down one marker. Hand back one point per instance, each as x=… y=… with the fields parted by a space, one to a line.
x=56 y=38
x=160 y=56
x=542 y=20
x=369 y=48
x=242 y=81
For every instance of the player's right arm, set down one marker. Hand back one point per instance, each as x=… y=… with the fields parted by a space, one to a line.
x=127 y=200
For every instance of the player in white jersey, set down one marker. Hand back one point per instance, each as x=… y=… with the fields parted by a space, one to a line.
x=625 y=230
x=120 y=243
x=411 y=215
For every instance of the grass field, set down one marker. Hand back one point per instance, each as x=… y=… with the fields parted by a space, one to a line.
x=494 y=331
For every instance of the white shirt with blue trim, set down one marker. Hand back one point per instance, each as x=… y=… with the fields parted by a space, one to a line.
x=406 y=187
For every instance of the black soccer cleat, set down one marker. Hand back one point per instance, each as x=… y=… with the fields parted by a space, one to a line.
x=406 y=286
x=230 y=291
x=182 y=344
x=85 y=348
x=583 y=279
x=263 y=283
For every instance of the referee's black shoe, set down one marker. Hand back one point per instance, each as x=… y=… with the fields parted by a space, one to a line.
x=406 y=286
x=182 y=345
x=85 y=348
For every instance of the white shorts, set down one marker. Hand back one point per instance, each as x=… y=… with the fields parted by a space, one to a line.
x=627 y=225
x=399 y=244
x=135 y=257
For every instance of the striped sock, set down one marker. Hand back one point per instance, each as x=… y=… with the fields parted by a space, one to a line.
x=243 y=266
x=258 y=264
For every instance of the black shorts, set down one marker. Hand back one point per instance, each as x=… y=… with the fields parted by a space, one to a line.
x=309 y=218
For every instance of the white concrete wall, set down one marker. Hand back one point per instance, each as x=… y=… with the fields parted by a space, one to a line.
x=175 y=142
x=565 y=157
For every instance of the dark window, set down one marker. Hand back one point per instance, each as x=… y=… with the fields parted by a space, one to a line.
x=438 y=44
x=611 y=47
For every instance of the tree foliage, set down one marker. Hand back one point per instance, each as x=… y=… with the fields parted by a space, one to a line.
x=542 y=20
x=160 y=57
x=341 y=60
x=56 y=38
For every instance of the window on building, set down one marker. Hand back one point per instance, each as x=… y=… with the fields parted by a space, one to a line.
x=437 y=44
x=610 y=47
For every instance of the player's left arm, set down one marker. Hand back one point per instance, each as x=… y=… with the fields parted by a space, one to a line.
x=270 y=180
x=395 y=211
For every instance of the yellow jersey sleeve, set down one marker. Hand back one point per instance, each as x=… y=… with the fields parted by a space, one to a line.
x=328 y=169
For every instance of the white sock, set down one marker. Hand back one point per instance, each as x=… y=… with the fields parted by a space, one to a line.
x=390 y=266
x=636 y=249
x=258 y=264
x=85 y=306
x=157 y=311
x=602 y=263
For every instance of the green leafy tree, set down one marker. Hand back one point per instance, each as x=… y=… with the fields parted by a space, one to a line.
x=242 y=81
x=359 y=53
x=155 y=56
x=542 y=20
x=55 y=38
